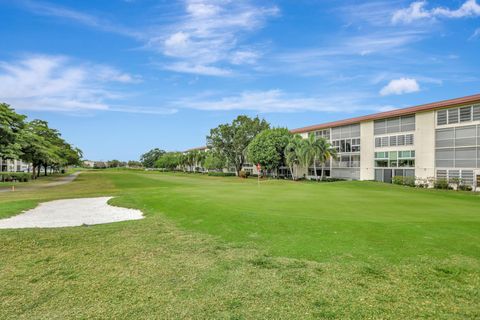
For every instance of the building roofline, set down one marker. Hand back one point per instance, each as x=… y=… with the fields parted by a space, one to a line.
x=393 y=113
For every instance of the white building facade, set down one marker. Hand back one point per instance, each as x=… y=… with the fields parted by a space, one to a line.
x=14 y=166
x=436 y=140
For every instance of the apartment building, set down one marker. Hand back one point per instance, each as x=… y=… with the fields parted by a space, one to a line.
x=14 y=166
x=440 y=139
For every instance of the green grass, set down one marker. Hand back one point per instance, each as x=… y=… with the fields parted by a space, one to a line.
x=226 y=248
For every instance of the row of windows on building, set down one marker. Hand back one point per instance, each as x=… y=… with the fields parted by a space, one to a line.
x=394 y=125
x=395 y=159
x=458 y=147
x=393 y=141
x=466 y=176
x=458 y=115
x=347 y=145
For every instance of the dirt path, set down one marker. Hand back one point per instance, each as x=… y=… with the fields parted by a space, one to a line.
x=60 y=181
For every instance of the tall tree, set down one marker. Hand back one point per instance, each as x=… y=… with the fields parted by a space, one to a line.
x=267 y=148
x=214 y=161
x=292 y=154
x=232 y=140
x=149 y=158
x=11 y=125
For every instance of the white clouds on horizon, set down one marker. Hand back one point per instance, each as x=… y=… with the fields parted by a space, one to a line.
x=278 y=101
x=57 y=83
x=400 y=86
x=417 y=11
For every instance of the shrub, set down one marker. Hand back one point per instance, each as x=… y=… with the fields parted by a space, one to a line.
x=14 y=176
x=409 y=181
x=221 y=174
x=441 y=184
x=464 y=187
x=398 y=180
x=243 y=174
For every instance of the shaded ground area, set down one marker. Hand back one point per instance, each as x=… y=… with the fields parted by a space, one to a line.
x=70 y=213
x=58 y=182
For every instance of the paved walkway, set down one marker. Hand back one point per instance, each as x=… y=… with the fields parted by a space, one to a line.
x=60 y=181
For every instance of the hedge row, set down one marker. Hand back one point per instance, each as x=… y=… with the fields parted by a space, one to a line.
x=221 y=174
x=14 y=176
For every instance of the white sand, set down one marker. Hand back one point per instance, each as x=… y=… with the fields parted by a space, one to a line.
x=70 y=213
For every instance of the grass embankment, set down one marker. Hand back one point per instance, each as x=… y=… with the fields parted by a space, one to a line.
x=226 y=248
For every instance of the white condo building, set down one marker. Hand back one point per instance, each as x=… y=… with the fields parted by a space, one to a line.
x=440 y=139
x=435 y=140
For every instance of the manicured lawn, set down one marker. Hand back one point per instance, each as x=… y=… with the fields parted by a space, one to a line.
x=226 y=248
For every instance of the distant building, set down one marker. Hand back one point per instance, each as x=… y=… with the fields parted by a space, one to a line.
x=14 y=166
x=88 y=164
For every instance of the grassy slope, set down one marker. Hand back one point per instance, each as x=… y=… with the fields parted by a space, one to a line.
x=353 y=249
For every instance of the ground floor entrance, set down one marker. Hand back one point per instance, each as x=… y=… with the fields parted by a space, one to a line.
x=387 y=174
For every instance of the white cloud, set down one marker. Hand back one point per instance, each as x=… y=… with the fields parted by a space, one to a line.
x=417 y=11
x=278 y=101
x=57 y=83
x=208 y=37
x=400 y=86
x=476 y=34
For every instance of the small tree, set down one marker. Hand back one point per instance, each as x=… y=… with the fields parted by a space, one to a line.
x=11 y=125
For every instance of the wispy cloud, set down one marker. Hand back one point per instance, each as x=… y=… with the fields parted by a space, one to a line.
x=418 y=11
x=476 y=34
x=207 y=36
x=400 y=86
x=205 y=39
x=278 y=101
x=49 y=9
x=57 y=83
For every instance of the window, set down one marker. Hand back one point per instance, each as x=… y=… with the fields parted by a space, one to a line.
x=445 y=138
x=452 y=116
x=476 y=112
x=465 y=114
x=401 y=140
x=393 y=125
x=465 y=136
x=441 y=117
x=465 y=158
x=407 y=123
x=393 y=140
x=378 y=142
x=380 y=127
x=409 y=139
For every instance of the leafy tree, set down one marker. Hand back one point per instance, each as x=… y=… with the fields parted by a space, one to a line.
x=213 y=161
x=150 y=158
x=134 y=164
x=11 y=125
x=292 y=154
x=268 y=147
x=169 y=161
x=232 y=140
x=114 y=163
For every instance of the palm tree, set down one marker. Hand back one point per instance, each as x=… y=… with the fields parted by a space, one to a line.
x=292 y=152
x=315 y=150
x=325 y=151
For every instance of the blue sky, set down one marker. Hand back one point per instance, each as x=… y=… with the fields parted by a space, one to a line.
x=120 y=77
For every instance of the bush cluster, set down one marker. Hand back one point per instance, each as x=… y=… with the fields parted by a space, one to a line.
x=14 y=176
x=221 y=174
x=404 y=181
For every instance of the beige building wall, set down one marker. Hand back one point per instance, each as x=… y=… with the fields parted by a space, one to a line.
x=367 y=142
x=425 y=144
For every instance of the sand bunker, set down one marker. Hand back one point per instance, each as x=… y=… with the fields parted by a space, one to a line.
x=70 y=213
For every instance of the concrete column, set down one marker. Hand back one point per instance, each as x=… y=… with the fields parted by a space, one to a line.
x=367 y=144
